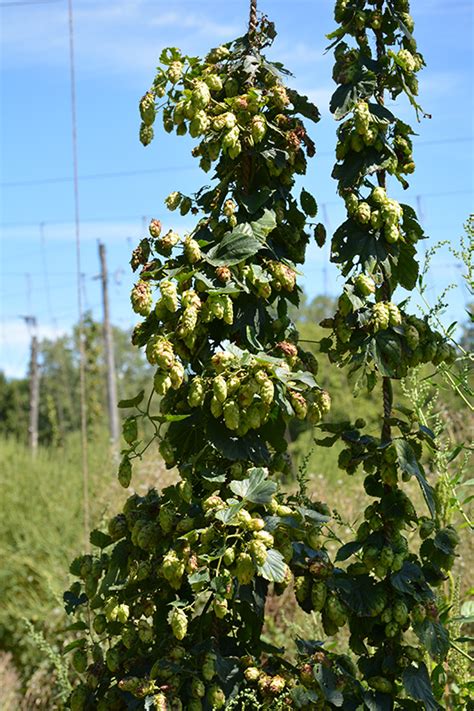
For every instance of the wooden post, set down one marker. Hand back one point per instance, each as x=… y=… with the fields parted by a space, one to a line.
x=109 y=351
x=34 y=397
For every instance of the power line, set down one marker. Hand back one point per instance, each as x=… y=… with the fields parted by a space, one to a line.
x=138 y=218
x=176 y=168
x=28 y=2
x=82 y=369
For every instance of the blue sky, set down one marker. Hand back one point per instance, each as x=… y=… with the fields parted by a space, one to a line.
x=117 y=46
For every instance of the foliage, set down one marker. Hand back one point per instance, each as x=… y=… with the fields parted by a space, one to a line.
x=59 y=385
x=39 y=532
x=230 y=376
x=177 y=586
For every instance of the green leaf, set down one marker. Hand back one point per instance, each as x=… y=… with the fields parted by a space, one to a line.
x=303 y=105
x=199 y=577
x=410 y=580
x=409 y=464
x=132 y=402
x=434 y=637
x=255 y=488
x=228 y=515
x=274 y=568
x=387 y=353
x=360 y=593
x=308 y=203
x=348 y=549
x=100 y=539
x=264 y=225
x=77 y=644
x=417 y=684
x=328 y=683
x=255 y=201
x=235 y=247
x=407 y=267
x=72 y=601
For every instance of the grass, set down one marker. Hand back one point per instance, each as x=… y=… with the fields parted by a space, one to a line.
x=42 y=530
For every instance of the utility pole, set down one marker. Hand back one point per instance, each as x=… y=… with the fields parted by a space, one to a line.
x=109 y=351
x=34 y=377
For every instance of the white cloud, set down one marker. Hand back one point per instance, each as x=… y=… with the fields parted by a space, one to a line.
x=124 y=36
x=15 y=339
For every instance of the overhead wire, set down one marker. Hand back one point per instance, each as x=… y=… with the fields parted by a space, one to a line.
x=82 y=369
x=177 y=168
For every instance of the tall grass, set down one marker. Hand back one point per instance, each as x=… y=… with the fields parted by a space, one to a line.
x=41 y=529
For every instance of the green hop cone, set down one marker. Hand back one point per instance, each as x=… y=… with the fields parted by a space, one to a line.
x=161 y=382
x=364 y=284
x=209 y=666
x=395 y=317
x=381 y=316
x=176 y=375
x=400 y=612
x=299 y=404
x=141 y=298
x=231 y=415
x=201 y=95
x=229 y=556
x=192 y=251
x=219 y=388
x=216 y=697
x=125 y=472
x=175 y=71
x=147 y=109
x=258 y=551
x=196 y=392
x=267 y=391
x=198 y=689
x=146 y=134
x=220 y=607
x=130 y=429
x=380 y=683
x=318 y=595
x=173 y=200
x=154 y=229
x=363 y=212
x=214 y=82
x=245 y=569
x=166 y=518
x=412 y=336
x=259 y=128
x=179 y=623
x=406 y=60
x=169 y=295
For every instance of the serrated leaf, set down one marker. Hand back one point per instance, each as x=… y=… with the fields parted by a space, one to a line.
x=133 y=401
x=360 y=594
x=417 y=684
x=255 y=488
x=410 y=580
x=308 y=203
x=262 y=227
x=409 y=464
x=199 y=577
x=274 y=568
x=100 y=539
x=328 y=683
x=235 y=247
x=77 y=644
x=434 y=637
x=348 y=549
x=227 y=515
